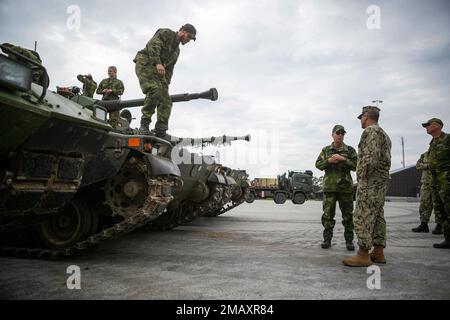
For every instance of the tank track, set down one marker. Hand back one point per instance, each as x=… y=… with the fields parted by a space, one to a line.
x=170 y=221
x=155 y=203
x=212 y=203
x=227 y=207
x=226 y=199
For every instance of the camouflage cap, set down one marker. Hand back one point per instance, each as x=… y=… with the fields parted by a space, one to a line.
x=337 y=128
x=439 y=121
x=367 y=109
x=191 y=29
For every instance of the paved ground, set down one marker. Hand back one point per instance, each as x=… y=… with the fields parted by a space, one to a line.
x=256 y=251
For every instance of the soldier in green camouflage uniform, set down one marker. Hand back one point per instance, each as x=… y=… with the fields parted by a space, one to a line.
x=439 y=164
x=426 y=199
x=372 y=173
x=125 y=115
x=337 y=160
x=154 y=69
x=89 y=85
x=39 y=77
x=111 y=88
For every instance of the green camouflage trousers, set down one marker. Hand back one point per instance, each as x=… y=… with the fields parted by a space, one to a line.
x=368 y=218
x=156 y=92
x=329 y=211
x=113 y=119
x=426 y=202
x=441 y=199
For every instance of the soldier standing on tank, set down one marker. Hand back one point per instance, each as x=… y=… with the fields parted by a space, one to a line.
x=89 y=85
x=426 y=200
x=154 y=69
x=111 y=88
x=337 y=159
x=372 y=172
x=439 y=164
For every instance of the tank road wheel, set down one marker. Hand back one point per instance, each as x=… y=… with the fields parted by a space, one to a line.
x=126 y=192
x=299 y=198
x=280 y=198
x=73 y=223
x=188 y=214
x=250 y=198
x=166 y=221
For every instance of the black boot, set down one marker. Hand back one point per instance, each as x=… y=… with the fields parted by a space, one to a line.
x=348 y=235
x=438 y=229
x=144 y=126
x=160 y=131
x=327 y=235
x=423 y=227
x=443 y=245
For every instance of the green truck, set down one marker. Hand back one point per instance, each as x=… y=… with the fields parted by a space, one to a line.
x=294 y=185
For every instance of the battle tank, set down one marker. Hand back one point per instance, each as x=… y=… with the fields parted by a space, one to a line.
x=66 y=177
x=207 y=188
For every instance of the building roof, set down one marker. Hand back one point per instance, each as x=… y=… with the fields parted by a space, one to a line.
x=401 y=169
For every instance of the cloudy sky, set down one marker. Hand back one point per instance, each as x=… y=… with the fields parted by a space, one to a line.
x=286 y=71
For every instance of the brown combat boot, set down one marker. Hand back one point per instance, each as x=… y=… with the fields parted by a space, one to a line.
x=362 y=259
x=377 y=255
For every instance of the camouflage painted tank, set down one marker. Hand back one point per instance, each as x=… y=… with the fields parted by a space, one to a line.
x=65 y=174
x=239 y=191
x=208 y=188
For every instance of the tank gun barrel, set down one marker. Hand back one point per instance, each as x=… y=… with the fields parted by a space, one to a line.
x=117 y=105
x=215 y=140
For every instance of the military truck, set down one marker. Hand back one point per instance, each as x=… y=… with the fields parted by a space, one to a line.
x=294 y=185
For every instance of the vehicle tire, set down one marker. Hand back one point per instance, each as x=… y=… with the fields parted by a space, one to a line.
x=280 y=198
x=250 y=198
x=299 y=198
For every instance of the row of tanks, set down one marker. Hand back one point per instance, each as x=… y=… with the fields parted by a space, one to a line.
x=68 y=180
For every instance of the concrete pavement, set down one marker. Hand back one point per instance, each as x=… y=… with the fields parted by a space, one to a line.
x=255 y=251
